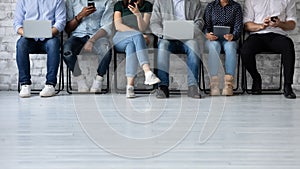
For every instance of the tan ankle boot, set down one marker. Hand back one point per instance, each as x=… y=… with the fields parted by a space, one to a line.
x=214 y=86
x=228 y=86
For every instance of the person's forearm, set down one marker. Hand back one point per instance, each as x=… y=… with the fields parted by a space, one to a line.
x=72 y=25
x=287 y=26
x=99 y=34
x=252 y=27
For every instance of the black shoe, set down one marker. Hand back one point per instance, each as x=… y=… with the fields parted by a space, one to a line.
x=162 y=92
x=193 y=92
x=256 y=86
x=288 y=92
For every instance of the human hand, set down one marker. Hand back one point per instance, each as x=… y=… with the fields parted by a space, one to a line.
x=228 y=37
x=274 y=21
x=86 y=11
x=265 y=23
x=146 y=39
x=88 y=46
x=210 y=36
x=134 y=8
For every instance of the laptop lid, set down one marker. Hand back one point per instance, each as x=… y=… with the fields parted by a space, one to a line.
x=37 y=28
x=220 y=31
x=178 y=29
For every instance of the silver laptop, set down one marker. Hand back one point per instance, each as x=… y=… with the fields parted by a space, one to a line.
x=220 y=31
x=178 y=29
x=37 y=29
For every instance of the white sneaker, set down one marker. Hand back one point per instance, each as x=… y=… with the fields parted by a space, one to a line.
x=97 y=84
x=150 y=78
x=25 y=91
x=130 y=92
x=48 y=91
x=82 y=86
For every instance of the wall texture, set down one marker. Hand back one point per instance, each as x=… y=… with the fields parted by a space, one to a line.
x=9 y=73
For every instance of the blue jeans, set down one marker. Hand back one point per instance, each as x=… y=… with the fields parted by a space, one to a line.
x=189 y=47
x=25 y=46
x=214 y=48
x=73 y=47
x=134 y=45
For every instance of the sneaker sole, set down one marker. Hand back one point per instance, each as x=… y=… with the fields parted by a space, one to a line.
x=25 y=96
x=47 y=95
x=152 y=83
x=130 y=97
x=95 y=91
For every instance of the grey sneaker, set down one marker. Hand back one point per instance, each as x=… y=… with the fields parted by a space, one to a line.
x=25 y=91
x=82 y=86
x=130 y=92
x=151 y=79
x=97 y=84
x=48 y=91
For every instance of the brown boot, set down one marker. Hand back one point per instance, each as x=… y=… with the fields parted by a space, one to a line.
x=214 y=86
x=228 y=87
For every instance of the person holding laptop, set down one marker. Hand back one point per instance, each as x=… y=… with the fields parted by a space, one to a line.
x=165 y=10
x=219 y=38
x=268 y=22
x=55 y=11
x=131 y=19
x=89 y=27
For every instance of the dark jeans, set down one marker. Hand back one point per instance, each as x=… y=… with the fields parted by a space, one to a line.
x=257 y=43
x=73 y=47
x=25 y=46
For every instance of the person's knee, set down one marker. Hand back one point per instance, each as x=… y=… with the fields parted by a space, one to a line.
x=163 y=44
x=138 y=36
x=53 y=43
x=230 y=47
x=212 y=45
x=22 y=43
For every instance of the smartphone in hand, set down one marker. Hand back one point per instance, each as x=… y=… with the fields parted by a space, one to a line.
x=131 y=2
x=273 y=18
x=91 y=3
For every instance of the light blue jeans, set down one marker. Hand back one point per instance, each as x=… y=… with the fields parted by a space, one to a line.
x=214 y=48
x=188 y=47
x=134 y=45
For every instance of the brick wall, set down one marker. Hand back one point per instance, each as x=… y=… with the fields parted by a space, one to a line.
x=9 y=74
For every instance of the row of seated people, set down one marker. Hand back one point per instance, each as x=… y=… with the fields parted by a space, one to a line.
x=90 y=29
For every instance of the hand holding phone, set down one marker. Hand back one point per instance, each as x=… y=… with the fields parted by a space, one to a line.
x=91 y=3
x=132 y=2
x=273 y=18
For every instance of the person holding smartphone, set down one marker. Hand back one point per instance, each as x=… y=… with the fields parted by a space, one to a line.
x=268 y=22
x=89 y=28
x=214 y=15
x=131 y=19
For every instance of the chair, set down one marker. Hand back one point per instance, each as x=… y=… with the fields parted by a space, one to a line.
x=275 y=90
x=61 y=70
